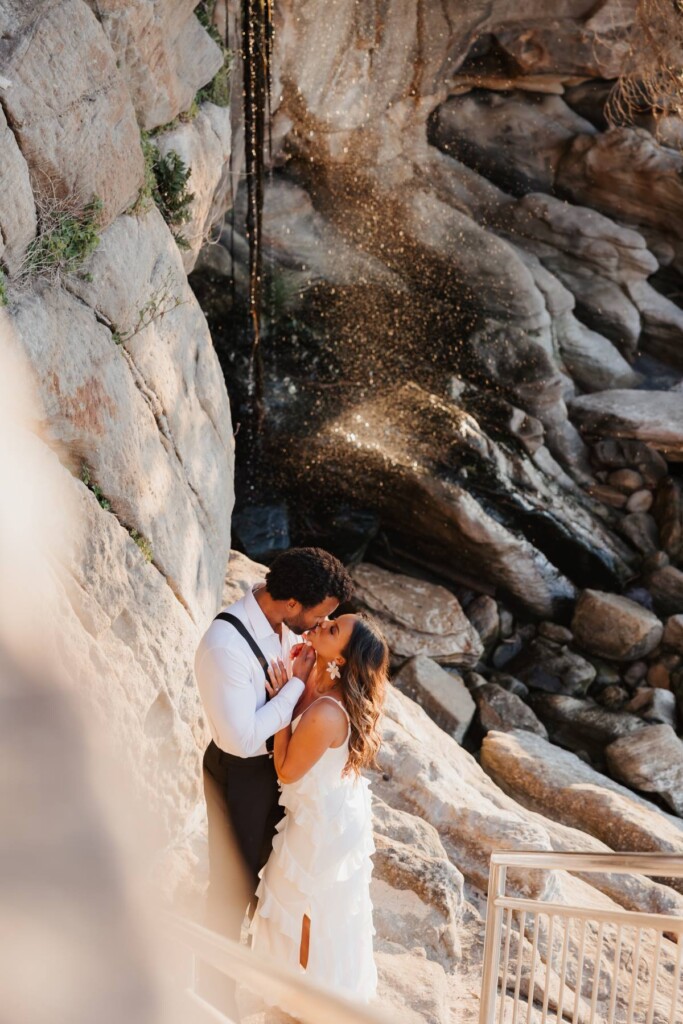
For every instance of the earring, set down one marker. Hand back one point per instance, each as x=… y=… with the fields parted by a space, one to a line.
x=333 y=669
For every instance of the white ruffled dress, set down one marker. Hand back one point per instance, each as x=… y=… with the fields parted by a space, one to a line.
x=320 y=866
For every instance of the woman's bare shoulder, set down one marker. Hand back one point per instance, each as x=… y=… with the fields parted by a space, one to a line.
x=325 y=715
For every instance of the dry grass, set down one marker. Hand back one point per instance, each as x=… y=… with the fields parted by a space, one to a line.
x=653 y=79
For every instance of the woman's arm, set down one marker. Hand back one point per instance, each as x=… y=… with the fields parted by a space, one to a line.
x=320 y=727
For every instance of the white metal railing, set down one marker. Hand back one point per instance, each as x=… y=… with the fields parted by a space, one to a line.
x=552 y=962
x=275 y=984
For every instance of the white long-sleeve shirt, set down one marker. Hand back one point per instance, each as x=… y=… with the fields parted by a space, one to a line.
x=232 y=684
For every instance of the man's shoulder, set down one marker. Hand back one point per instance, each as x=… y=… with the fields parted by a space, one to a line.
x=220 y=633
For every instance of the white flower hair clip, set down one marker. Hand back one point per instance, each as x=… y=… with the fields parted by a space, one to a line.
x=333 y=669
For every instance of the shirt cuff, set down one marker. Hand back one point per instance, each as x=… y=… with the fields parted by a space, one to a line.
x=294 y=687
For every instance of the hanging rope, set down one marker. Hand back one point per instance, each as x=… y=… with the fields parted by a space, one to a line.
x=257 y=49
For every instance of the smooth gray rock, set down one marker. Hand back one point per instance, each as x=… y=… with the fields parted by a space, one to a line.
x=418 y=618
x=417 y=893
x=673 y=633
x=545 y=665
x=514 y=139
x=162 y=51
x=501 y=710
x=650 y=761
x=655 y=417
x=666 y=587
x=91 y=147
x=443 y=695
x=582 y=725
x=483 y=614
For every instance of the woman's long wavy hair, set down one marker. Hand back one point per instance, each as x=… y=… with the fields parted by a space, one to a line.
x=364 y=678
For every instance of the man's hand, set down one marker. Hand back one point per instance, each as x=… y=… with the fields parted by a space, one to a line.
x=303 y=663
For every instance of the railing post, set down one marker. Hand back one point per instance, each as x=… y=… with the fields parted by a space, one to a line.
x=494 y=920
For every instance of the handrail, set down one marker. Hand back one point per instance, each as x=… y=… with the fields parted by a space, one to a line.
x=643 y=863
x=266 y=977
x=499 y=923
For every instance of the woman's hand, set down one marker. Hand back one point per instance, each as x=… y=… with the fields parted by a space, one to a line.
x=304 y=661
x=277 y=677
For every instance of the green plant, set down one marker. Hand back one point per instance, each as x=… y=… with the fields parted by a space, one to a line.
x=218 y=89
x=65 y=239
x=3 y=289
x=143 y=544
x=165 y=184
x=171 y=194
x=162 y=300
x=86 y=477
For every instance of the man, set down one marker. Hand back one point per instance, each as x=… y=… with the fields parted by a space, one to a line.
x=303 y=587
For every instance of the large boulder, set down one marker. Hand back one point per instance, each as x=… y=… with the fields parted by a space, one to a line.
x=582 y=725
x=625 y=173
x=650 y=761
x=666 y=587
x=417 y=617
x=548 y=665
x=424 y=771
x=655 y=417
x=615 y=627
x=540 y=776
x=515 y=139
x=501 y=711
x=442 y=694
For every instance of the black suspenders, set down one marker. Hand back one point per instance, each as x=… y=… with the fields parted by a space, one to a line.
x=257 y=652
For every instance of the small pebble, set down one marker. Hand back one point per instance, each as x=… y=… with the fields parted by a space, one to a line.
x=608 y=495
x=627 y=480
x=635 y=673
x=640 y=501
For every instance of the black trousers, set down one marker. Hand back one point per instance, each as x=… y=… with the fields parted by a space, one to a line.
x=242 y=804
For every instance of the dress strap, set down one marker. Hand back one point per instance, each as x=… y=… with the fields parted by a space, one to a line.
x=337 y=702
x=326 y=697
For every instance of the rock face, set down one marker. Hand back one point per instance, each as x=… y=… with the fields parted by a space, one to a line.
x=442 y=694
x=58 y=58
x=163 y=53
x=132 y=398
x=614 y=627
x=205 y=145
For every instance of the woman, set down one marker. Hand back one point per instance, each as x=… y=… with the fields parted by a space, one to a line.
x=314 y=910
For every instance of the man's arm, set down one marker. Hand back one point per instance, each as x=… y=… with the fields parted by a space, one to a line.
x=229 y=701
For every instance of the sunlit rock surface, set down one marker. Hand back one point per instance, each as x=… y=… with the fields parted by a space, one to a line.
x=540 y=777
x=132 y=400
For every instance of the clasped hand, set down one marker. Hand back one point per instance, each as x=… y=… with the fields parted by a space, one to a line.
x=301 y=668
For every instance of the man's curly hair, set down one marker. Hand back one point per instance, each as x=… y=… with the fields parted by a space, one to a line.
x=309 y=575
